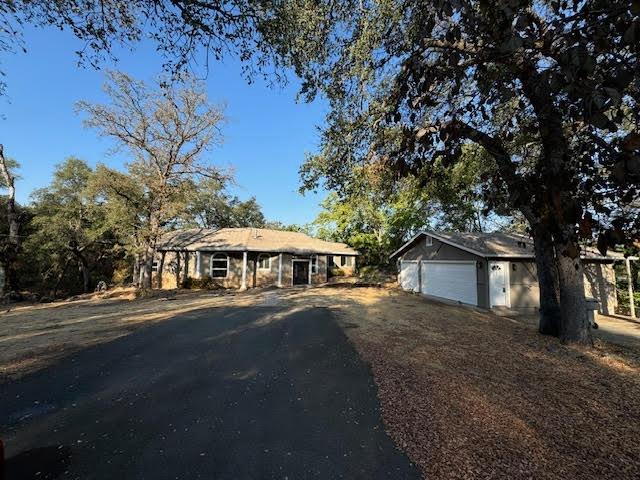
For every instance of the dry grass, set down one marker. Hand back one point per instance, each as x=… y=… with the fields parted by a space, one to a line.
x=468 y=394
x=34 y=336
x=465 y=393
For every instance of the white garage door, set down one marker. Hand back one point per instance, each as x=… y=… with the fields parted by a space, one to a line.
x=451 y=280
x=409 y=275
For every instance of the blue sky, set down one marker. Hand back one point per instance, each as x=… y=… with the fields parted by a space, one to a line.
x=265 y=138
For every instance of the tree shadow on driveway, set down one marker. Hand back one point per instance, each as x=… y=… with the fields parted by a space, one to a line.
x=230 y=393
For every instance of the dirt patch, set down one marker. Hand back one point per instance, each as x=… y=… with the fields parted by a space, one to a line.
x=468 y=394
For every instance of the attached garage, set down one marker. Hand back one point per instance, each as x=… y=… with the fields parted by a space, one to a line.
x=453 y=280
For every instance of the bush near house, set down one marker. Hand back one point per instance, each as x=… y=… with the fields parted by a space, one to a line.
x=373 y=274
x=623 y=301
x=205 y=283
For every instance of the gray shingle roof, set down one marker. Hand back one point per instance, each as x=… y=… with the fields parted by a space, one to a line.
x=490 y=244
x=250 y=239
x=498 y=244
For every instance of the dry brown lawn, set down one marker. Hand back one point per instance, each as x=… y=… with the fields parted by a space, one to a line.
x=468 y=394
x=465 y=393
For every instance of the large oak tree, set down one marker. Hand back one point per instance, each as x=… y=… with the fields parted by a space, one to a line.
x=167 y=130
x=549 y=89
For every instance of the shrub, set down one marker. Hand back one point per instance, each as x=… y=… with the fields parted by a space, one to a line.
x=376 y=274
x=121 y=274
x=336 y=272
x=204 y=283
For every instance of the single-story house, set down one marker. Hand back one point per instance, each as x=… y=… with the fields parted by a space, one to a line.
x=491 y=270
x=249 y=257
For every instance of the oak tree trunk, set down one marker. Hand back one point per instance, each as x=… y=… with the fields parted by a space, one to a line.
x=550 y=317
x=146 y=268
x=12 y=244
x=575 y=325
x=86 y=277
x=84 y=268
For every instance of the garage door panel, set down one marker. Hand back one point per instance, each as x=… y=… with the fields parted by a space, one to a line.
x=451 y=280
x=409 y=276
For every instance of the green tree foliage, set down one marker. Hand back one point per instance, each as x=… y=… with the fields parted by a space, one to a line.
x=373 y=227
x=11 y=240
x=377 y=220
x=70 y=237
x=549 y=90
x=290 y=227
x=209 y=205
x=184 y=32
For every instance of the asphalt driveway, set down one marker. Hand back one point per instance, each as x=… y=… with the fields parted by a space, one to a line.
x=227 y=393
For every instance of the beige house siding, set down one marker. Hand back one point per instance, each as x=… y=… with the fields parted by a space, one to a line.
x=263 y=277
x=256 y=277
x=599 y=283
x=334 y=263
x=441 y=251
x=234 y=274
x=523 y=286
x=321 y=275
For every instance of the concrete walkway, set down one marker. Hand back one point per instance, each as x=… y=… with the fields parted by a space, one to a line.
x=619 y=329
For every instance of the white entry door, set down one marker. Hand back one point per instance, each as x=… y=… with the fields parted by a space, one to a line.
x=409 y=272
x=499 y=284
x=453 y=280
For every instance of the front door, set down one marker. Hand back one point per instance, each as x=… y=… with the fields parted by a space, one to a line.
x=499 y=284
x=301 y=272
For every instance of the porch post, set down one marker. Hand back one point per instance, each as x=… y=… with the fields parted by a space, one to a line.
x=198 y=263
x=632 y=304
x=178 y=268
x=280 y=270
x=244 y=271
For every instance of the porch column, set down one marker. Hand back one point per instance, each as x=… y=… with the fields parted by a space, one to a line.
x=198 y=263
x=178 y=268
x=244 y=271
x=186 y=265
x=632 y=305
x=280 y=270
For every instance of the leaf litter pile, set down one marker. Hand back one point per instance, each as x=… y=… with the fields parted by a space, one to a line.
x=467 y=394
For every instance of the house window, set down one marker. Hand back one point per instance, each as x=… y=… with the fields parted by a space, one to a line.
x=264 y=262
x=219 y=267
x=346 y=261
x=314 y=264
x=154 y=267
x=428 y=241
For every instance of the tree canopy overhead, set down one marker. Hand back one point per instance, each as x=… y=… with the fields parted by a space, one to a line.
x=184 y=32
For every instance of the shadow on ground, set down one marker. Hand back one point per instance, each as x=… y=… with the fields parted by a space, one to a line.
x=230 y=393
